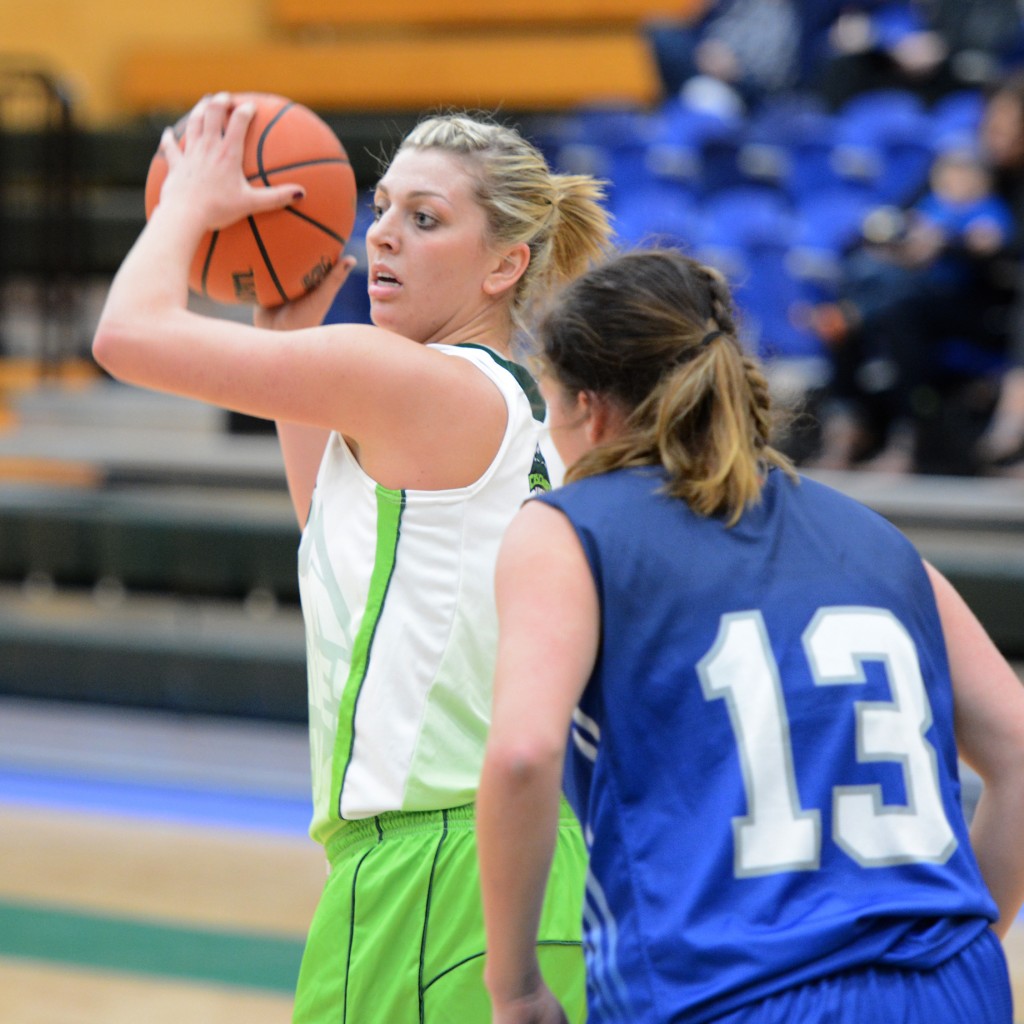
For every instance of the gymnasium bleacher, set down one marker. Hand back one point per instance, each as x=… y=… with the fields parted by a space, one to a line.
x=147 y=551
x=344 y=57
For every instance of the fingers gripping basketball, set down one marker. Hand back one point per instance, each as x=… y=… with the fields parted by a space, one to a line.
x=273 y=257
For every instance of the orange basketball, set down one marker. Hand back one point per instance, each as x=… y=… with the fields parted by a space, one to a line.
x=270 y=258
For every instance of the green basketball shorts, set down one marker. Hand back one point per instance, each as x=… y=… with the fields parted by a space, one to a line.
x=398 y=935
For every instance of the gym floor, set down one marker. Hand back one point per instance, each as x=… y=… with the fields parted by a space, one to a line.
x=157 y=867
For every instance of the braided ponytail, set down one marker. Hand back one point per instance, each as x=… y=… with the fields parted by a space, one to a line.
x=655 y=332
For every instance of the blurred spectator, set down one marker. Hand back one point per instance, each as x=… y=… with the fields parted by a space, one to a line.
x=749 y=48
x=1001 y=447
x=929 y=47
x=985 y=38
x=923 y=276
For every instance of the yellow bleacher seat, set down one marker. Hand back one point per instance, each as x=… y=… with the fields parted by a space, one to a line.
x=297 y=14
x=514 y=70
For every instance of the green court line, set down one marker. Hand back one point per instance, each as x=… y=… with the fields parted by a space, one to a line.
x=145 y=947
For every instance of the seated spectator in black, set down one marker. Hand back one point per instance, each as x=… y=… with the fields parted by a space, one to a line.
x=751 y=48
x=1001 y=447
x=922 y=276
x=928 y=47
x=985 y=39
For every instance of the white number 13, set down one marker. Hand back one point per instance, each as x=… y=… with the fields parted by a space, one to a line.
x=777 y=834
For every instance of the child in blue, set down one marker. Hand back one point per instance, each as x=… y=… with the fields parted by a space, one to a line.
x=960 y=218
x=928 y=277
x=765 y=691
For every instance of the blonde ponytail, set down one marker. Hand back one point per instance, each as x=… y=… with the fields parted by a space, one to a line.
x=581 y=234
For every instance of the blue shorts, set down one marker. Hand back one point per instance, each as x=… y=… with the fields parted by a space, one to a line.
x=972 y=987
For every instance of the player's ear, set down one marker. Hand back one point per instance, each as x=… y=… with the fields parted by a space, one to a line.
x=510 y=265
x=604 y=417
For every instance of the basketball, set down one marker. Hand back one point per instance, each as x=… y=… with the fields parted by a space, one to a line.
x=270 y=258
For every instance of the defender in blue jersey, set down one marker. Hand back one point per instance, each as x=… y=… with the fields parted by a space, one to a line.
x=765 y=690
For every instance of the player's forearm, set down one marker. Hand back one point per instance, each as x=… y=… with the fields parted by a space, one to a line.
x=154 y=274
x=996 y=837
x=149 y=290
x=518 y=821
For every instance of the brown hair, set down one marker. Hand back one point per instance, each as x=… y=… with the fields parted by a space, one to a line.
x=654 y=331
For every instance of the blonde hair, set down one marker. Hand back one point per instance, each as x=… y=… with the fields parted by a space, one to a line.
x=654 y=331
x=559 y=216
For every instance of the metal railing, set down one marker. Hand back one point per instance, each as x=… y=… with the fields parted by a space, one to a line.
x=41 y=231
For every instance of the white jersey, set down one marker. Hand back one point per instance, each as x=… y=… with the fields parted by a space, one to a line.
x=401 y=626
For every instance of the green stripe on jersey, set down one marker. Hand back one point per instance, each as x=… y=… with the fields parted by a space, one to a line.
x=390 y=504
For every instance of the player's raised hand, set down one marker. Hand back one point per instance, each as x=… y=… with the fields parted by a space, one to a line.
x=205 y=174
x=310 y=309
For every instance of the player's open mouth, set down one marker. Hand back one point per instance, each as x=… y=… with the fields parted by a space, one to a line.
x=382 y=282
x=383 y=276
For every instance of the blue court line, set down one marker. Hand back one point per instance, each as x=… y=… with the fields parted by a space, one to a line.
x=193 y=806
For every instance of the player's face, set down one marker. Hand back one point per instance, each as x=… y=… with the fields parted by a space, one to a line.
x=427 y=248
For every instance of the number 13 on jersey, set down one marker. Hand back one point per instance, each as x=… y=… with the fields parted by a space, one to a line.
x=777 y=833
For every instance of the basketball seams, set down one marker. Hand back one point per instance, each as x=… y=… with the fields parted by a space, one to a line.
x=263 y=138
x=264 y=173
x=313 y=222
x=298 y=165
x=239 y=263
x=209 y=259
x=264 y=255
x=266 y=259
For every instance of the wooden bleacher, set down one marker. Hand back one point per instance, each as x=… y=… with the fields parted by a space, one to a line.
x=520 y=71
x=524 y=56
x=306 y=14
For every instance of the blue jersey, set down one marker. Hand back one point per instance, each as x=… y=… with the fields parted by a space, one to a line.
x=763 y=759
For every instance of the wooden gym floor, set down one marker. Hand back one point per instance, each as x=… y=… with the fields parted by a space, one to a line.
x=156 y=867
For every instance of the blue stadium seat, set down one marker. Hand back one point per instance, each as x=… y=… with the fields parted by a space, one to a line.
x=721 y=165
x=695 y=145
x=663 y=213
x=692 y=125
x=610 y=143
x=882 y=106
x=959 y=111
x=813 y=163
x=828 y=223
x=748 y=216
x=770 y=298
x=884 y=138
